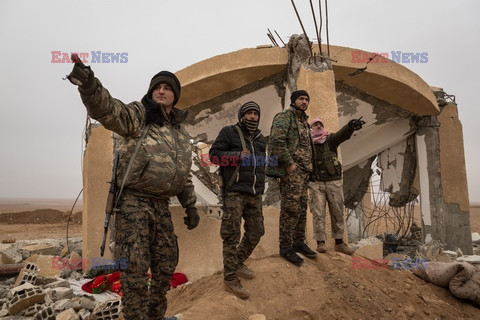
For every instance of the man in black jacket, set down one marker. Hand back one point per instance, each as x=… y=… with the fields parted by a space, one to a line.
x=240 y=151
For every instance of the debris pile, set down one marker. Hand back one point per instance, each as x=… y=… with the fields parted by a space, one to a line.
x=41 y=290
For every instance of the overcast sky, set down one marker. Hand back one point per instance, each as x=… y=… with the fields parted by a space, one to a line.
x=42 y=117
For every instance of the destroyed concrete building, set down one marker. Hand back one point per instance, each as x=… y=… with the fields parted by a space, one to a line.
x=412 y=142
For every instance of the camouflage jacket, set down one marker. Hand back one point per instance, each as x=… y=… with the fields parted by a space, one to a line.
x=161 y=168
x=284 y=140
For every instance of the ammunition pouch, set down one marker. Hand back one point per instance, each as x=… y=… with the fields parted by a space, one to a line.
x=330 y=159
x=332 y=164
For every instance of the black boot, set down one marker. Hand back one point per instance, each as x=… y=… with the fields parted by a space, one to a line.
x=290 y=255
x=305 y=250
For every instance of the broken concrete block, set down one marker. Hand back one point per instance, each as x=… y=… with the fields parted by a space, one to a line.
x=58 y=283
x=46 y=266
x=28 y=274
x=473 y=259
x=83 y=303
x=445 y=257
x=40 y=248
x=69 y=314
x=76 y=262
x=108 y=310
x=476 y=237
x=14 y=290
x=11 y=255
x=62 y=304
x=32 y=310
x=3 y=313
x=25 y=298
x=64 y=252
x=431 y=250
x=83 y=314
x=370 y=248
x=60 y=293
x=47 y=313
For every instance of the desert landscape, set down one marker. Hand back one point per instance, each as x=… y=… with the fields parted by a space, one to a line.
x=325 y=288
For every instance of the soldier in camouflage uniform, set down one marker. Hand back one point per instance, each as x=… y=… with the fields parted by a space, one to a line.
x=245 y=168
x=291 y=142
x=160 y=170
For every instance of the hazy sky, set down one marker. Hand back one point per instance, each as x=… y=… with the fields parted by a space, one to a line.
x=42 y=117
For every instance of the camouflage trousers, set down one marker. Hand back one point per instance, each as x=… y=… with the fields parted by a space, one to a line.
x=144 y=236
x=321 y=193
x=293 y=208
x=235 y=251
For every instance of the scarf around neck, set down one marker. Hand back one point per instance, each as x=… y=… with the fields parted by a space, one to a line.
x=319 y=135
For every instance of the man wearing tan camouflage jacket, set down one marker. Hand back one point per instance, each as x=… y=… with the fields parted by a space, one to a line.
x=160 y=169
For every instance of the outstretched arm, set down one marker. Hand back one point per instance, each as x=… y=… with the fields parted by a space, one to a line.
x=113 y=114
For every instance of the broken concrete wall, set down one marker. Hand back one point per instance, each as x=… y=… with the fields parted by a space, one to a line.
x=443 y=186
x=398 y=164
x=97 y=168
x=205 y=120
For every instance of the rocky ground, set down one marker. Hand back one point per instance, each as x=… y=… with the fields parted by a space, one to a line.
x=325 y=288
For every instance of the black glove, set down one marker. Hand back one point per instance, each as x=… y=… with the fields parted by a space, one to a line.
x=192 y=219
x=81 y=75
x=356 y=124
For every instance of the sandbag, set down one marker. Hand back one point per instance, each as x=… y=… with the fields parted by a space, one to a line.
x=466 y=284
x=461 y=278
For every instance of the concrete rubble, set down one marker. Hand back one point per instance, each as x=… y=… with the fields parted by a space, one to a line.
x=371 y=248
x=42 y=292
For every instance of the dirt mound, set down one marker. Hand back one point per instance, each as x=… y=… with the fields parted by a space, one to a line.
x=40 y=216
x=325 y=288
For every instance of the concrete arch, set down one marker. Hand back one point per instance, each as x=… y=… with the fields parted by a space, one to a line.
x=387 y=80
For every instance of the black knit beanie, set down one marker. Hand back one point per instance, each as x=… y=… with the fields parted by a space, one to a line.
x=168 y=78
x=296 y=94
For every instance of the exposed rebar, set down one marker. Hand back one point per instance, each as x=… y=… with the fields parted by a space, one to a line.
x=316 y=27
x=272 y=38
x=280 y=38
x=304 y=32
x=326 y=27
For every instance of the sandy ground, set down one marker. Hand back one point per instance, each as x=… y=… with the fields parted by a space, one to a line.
x=31 y=219
x=325 y=288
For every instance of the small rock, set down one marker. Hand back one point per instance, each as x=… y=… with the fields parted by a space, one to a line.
x=409 y=311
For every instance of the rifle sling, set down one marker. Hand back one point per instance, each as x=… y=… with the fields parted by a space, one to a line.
x=237 y=169
x=130 y=163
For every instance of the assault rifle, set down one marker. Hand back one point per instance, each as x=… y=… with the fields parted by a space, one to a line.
x=110 y=207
